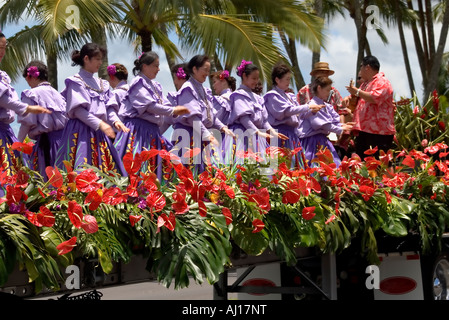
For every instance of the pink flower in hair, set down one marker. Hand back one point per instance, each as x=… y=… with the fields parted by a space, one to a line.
x=180 y=74
x=242 y=67
x=224 y=75
x=112 y=70
x=33 y=72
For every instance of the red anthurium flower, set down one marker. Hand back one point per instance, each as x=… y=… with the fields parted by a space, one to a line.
x=22 y=179
x=432 y=149
x=202 y=208
x=408 y=161
x=228 y=189
x=308 y=213
x=134 y=219
x=148 y=154
x=23 y=147
x=66 y=246
x=367 y=192
x=372 y=163
x=292 y=193
x=228 y=215
x=54 y=177
x=75 y=212
x=258 y=225
x=180 y=207
x=387 y=196
x=442 y=125
x=262 y=198
x=45 y=217
x=156 y=201
x=169 y=222
x=14 y=194
x=370 y=151
x=89 y=224
x=94 y=198
x=32 y=217
x=132 y=163
x=325 y=155
x=86 y=181
x=114 y=196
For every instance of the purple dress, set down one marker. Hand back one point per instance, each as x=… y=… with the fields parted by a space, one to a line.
x=248 y=115
x=143 y=111
x=118 y=95
x=46 y=129
x=283 y=115
x=222 y=105
x=82 y=140
x=313 y=131
x=10 y=105
x=193 y=130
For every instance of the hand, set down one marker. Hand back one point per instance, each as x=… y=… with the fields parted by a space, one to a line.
x=347 y=126
x=37 y=110
x=352 y=89
x=280 y=135
x=345 y=102
x=316 y=107
x=107 y=129
x=180 y=110
x=229 y=132
x=264 y=134
x=121 y=127
x=213 y=141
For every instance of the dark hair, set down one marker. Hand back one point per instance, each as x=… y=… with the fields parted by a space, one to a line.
x=41 y=67
x=232 y=82
x=175 y=68
x=249 y=68
x=2 y=35
x=145 y=58
x=279 y=71
x=322 y=82
x=197 y=61
x=121 y=71
x=90 y=50
x=372 y=62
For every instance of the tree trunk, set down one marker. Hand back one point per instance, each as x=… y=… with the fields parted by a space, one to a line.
x=418 y=46
x=146 y=40
x=98 y=36
x=404 y=48
x=318 y=6
x=52 y=65
x=290 y=47
x=438 y=57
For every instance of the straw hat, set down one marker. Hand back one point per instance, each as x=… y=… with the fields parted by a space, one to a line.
x=321 y=66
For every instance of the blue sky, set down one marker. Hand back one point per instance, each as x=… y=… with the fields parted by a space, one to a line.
x=340 y=53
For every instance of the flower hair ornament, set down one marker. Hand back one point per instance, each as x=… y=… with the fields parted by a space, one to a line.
x=112 y=70
x=224 y=75
x=33 y=72
x=180 y=74
x=242 y=67
x=141 y=55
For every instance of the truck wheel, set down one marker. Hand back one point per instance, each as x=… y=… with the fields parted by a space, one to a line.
x=441 y=278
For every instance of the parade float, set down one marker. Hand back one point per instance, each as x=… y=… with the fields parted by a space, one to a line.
x=191 y=228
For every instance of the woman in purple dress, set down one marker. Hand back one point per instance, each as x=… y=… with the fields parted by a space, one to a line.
x=248 y=119
x=118 y=80
x=10 y=105
x=143 y=111
x=223 y=85
x=45 y=129
x=284 y=112
x=200 y=128
x=87 y=138
x=313 y=130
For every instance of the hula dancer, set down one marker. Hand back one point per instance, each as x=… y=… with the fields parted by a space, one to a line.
x=143 y=111
x=284 y=112
x=45 y=129
x=87 y=138
x=10 y=105
x=314 y=130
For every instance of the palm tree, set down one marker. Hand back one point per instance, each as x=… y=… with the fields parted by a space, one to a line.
x=51 y=36
x=228 y=30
